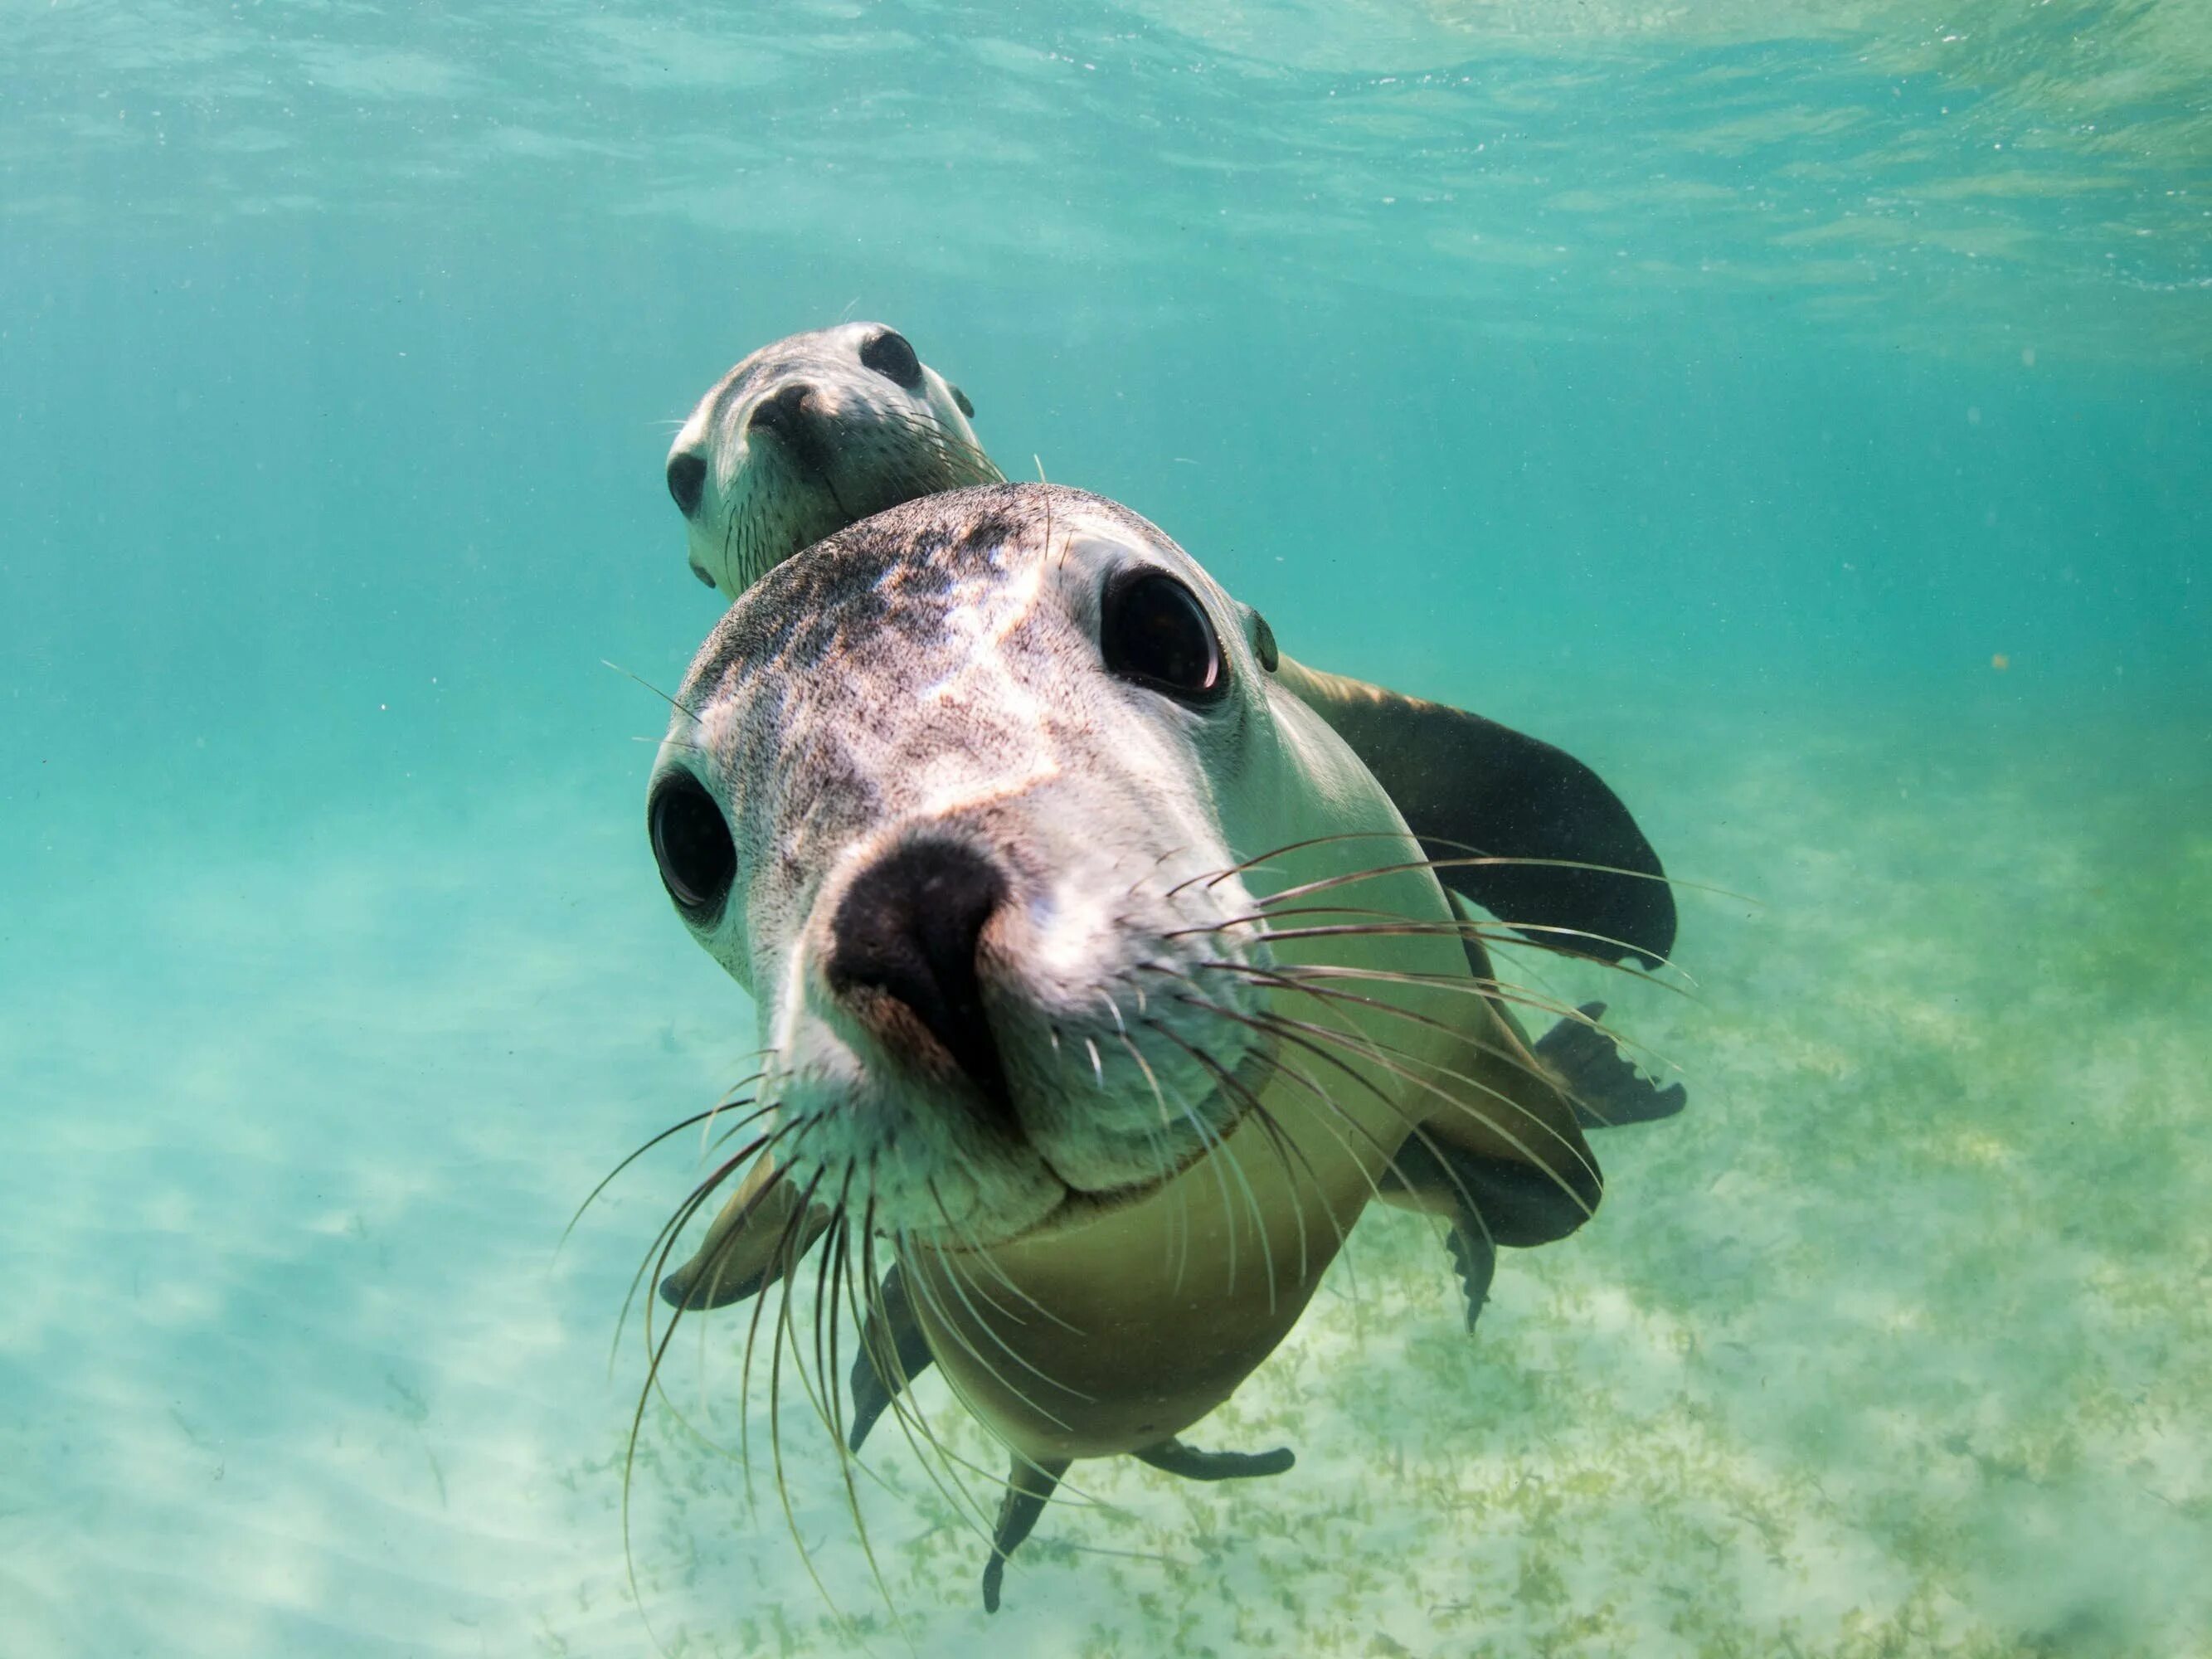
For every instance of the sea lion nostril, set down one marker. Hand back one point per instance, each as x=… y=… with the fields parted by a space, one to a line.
x=908 y=927
x=687 y=480
x=782 y=413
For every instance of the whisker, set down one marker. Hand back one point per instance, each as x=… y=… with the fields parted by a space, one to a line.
x=783 y=1259
x=904 y=1246
x=826 y=1288
x=1496 y=993
x=682 y=708
x=1215 y=1156
x=607 y=1180
x=1490 y=990
x=922 y=1282
x=656 y=1256
x=1475 y=859
x=960 y=1287
x=1378 y=1050
x=1489 y=932
x=782 y=1334
x=658 y=1352
x=1251 y=1099
x=1283 y=1069
x=929 y=1450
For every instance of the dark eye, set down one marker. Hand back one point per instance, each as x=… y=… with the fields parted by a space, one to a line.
x=1155 y=633
x=692 y=845
x=960 y=401
x=687 y=477
x=890 y=356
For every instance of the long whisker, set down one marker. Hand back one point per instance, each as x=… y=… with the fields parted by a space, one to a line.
x=1215 y=1156
x=1283 y=1069
x=1392 y=924
x=1250 y=1099
x=781 y=1335
x=607 y=1180
x=1475 y=859
x=1490 y=990
x=937 y=1460
x=1496 y=993
x=827 y=1285
x=1213 y=879
x=1415 y=1131
x=960 y=1287
x=781 y=1259
x=1379 y=1051
x=922 y=1283
x=1529 y=1067
x=655 y=1260
x=659 y=1352
x=904 y=1246
x=681 y=707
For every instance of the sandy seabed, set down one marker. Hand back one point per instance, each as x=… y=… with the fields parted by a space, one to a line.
x=1896 y=1343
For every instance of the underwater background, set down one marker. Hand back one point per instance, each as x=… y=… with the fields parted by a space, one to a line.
x=1802 y=417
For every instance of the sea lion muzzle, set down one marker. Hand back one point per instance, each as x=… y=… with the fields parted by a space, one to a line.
x=904 y=944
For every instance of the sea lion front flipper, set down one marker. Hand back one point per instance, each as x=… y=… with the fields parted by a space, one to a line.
x=893 y=1353
x=757 y=1238
x=1028 y=1487
x=1460 y=780
x=1607 y=1090
x=1193 y=1464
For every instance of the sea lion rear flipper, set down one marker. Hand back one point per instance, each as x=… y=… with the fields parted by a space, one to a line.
x=1193 y=1464
x=1028 y=1487
x=757 y=1238
x=1462 y=781
x=893 y=1353
x=1607 y=1090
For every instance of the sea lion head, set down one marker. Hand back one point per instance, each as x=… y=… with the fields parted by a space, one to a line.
x=957 y=795
x=809 y=434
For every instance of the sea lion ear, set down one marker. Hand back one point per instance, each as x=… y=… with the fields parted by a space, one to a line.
x=1262 y=637
x=1468 y=786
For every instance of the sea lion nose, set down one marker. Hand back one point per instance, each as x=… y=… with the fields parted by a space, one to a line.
x=909 y=928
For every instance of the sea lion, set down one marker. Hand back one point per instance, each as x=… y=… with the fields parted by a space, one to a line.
x=1101 y=983
x=817 y=430
x=807 y=436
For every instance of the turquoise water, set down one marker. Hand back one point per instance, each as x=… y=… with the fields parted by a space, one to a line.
x=1803 y=419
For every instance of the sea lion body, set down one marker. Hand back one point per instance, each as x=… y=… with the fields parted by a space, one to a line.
x=1113 y=1127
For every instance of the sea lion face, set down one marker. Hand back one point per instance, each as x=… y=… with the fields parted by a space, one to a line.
x=958 y=806
x=809 y=434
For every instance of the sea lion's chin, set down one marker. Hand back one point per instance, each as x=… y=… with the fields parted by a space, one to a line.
x=932 y=1161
